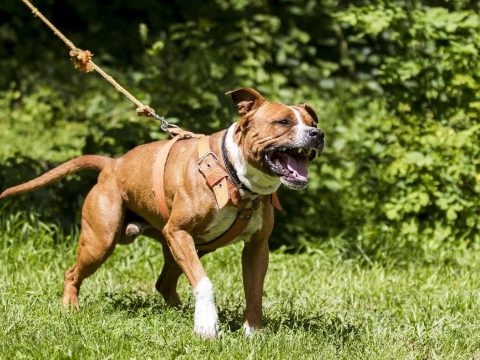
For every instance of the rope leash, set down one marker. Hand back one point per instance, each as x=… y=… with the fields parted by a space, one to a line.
x=82 y=60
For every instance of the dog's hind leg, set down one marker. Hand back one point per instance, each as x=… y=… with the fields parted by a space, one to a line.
x=168 y=279
x=102 y=220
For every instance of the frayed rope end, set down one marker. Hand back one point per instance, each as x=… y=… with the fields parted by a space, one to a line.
x=82 y=60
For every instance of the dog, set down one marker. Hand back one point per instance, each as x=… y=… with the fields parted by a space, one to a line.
x=202 y=193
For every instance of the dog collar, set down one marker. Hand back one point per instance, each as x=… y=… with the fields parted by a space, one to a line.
x=232 y=173
x=220 y=180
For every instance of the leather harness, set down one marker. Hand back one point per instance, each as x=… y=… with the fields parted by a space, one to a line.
x=222 y=181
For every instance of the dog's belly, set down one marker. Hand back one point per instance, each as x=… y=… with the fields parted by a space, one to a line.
x=224 y=219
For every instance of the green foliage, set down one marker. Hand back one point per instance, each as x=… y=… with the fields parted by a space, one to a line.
x=396 y=86
x=429 y=57
x=415 y=152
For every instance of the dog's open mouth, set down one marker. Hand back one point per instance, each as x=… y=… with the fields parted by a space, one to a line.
x=290 y=164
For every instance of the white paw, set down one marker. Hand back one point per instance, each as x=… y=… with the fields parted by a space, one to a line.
x=205 y=318
x=249 y=330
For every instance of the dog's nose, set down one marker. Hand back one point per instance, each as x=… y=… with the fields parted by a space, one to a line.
x=316 y=133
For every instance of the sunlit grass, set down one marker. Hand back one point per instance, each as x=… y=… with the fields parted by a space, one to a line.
x=315 y=306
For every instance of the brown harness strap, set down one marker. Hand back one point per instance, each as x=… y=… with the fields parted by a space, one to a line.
x=233 y=231
x=214 y=173
x=159 y=171
x=276 y=202
x=218 y=180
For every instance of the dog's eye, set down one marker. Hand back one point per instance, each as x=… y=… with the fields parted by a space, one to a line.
x=283 y=122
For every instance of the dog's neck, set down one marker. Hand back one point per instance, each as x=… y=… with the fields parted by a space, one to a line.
x=253 y=179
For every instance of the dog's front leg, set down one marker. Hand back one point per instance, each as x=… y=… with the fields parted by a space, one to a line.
x=254 y=267
x=183 y=250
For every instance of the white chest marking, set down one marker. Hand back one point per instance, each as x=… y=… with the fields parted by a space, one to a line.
x=225 y=218
x=256 y=180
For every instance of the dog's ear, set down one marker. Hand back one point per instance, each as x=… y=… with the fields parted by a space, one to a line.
x=310 y=111
x=246 y=99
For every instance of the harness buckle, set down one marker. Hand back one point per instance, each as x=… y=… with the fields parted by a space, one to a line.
x=203 y=158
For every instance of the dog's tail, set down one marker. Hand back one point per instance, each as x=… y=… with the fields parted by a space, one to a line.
x=95 y=162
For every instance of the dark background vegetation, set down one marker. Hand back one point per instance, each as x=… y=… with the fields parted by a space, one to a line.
x=396 y=86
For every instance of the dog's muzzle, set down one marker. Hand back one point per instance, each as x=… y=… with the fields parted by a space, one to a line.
x=289 y=161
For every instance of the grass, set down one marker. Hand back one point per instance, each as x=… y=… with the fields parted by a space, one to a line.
x=315 y=306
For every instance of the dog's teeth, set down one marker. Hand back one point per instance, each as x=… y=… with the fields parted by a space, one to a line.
x=309 y=151
x=299 y=150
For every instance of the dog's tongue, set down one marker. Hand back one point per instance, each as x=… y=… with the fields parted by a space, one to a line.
x=297 y=167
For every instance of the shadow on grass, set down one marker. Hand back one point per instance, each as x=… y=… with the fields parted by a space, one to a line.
x=321 y=323
x=334 y=327
x=232 y=318
x=136 y=302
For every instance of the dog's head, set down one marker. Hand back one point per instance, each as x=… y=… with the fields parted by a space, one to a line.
x=280 y=139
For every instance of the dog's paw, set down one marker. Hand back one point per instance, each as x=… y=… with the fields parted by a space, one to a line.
x=205 y=318
x=70 y=297
x=249 y=330
x=70 y=303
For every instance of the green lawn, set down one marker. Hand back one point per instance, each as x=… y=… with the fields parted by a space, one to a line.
x=316 y=306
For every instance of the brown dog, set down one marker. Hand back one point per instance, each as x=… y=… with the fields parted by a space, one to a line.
x=271 y=144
